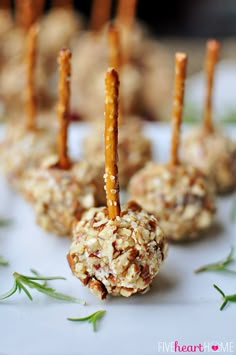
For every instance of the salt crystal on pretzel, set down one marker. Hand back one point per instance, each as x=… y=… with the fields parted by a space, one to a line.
x=63 y=106
x=111 y=143
x=212 y=54
x=178 y=100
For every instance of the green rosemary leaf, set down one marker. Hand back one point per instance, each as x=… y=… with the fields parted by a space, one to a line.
x=92 y=318
x=219 y=265
x=10 y=292
x=226 y=298
x=3 y=261
x=5 y=222
x=24 y=281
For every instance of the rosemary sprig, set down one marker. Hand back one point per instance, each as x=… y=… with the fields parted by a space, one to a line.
x=92 y=318
x=226 y=298
x=220 y=265
x=23 y=281
x=3 y=261
x=5 y=222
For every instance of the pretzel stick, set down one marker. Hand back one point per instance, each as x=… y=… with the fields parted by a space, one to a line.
x=5 y=5
x=31 y=52
x=212 y=54
x=100 y=14
x=63 y=106
x=125 y=12
x=39 y=4
x=180 y=73
x=115 y=59
x=125 y=15
x=111 y=143
x=114 y=47
x=63 y=3
x=25 y=13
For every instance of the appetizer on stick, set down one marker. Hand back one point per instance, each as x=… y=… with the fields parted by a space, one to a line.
x=59 y=27
x=144 y=68
x=12 y=50
x=26 y=142
x=60 y=190
x=116 y=251
x=179 y=195
x=133 y=147
x=207 y=146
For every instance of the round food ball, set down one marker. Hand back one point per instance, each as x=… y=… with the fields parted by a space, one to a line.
x=119 y=257
x=23 y=149
x=181 y=197
x=61 y=196
x=215 y=154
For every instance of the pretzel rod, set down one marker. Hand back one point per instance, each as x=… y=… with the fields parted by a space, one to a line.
x=63 y=106
x=111 y=143
x=114 y=47
x=100 y=14
x=126 y=12
x=25 y=13
x=212 y=54
x=178 y=100
x=115 y=59
x=63 y=3
x=5 y=4
x=31 y=53
x=39 y=8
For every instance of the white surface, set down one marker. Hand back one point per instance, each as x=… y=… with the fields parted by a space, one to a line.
x=180 y=306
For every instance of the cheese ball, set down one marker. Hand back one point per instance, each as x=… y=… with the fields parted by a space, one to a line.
x=181 y=197
x=134 y=149
x=13 y=83
x=118 y=257
x=57 y=29
x=89 y=63
x=145 y=76
x=6 y=21
x=60 y=196
x=215 y=154
x=23 y=149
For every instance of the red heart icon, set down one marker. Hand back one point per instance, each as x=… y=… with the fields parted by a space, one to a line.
x=215 y=347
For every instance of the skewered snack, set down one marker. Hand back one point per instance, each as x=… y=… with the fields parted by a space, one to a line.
x=146 y=79
x=59 y=189
x=26 y=142
x=180 y=196
x=28 y=12
x=54 y=35
x=12 y=50
x=95 y=42
x=208 y=147
x=100 y=14
x=134 y=148
x=116 y=251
